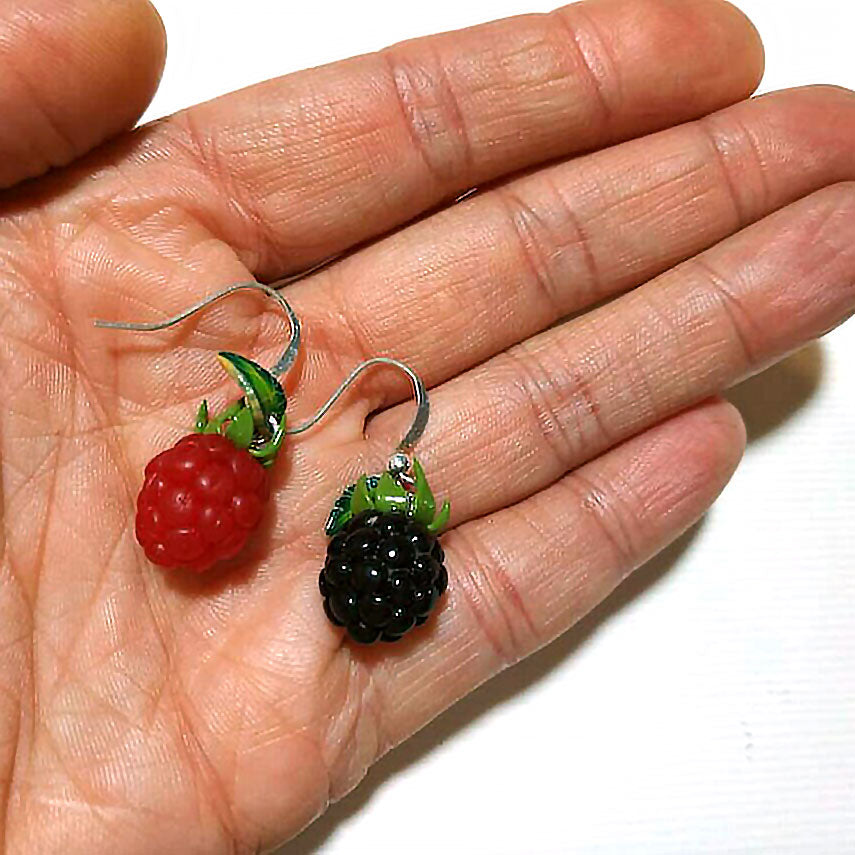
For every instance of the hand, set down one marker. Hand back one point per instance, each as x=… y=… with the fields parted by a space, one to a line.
x=148 y=712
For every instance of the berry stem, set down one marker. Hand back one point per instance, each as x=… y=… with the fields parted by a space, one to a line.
x=256 y=422
x=397 y=494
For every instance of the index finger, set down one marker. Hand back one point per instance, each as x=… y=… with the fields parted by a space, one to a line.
x=316 y=162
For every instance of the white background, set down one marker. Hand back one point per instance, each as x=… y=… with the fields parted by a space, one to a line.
x=709 y=707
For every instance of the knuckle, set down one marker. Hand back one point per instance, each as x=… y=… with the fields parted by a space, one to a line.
x=564 y=406
x=491 y=595
x=593 y=60
x=555 y=245
x=431 y=112
x=545 y=415
x=741 y=163
x=538 y=246
x=734 y=314
x=614 y=514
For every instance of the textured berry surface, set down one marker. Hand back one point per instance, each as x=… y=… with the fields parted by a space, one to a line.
x=199 y=503
x=383 y=575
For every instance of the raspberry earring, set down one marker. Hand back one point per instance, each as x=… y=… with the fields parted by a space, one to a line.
x=202 y=499
x=384 y=569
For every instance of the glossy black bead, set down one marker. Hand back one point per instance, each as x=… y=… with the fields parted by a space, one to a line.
x=400 y=588
x=401 y=622
x=424 y=572
x=368 y=577
x=322 y=584
x=361 y=544
x=329 y=613
x=419 y=538
x=423 y=601
x=396 y=552
x=442 y=580
x=337 y=572
x=336 y=546
x=344 y=605
x=362 y=633
x=375 y=609
x=390 y=525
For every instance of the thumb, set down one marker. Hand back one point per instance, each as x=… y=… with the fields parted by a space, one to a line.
x=71 y=76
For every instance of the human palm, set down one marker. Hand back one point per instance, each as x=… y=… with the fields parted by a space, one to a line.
x=145 y=711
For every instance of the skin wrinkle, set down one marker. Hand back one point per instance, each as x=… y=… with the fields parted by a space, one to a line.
x=539 y=387
x=417 y=89
x=737 y=318
x=603 y=506
x=590 y=51
x=205 y=155
x=654 y=403
x=741 y=210
x=491 y=597
x=530 y=232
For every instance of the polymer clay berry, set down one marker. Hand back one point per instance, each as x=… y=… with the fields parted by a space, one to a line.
x=200 y=502
x=385 y=568
x=202 y=499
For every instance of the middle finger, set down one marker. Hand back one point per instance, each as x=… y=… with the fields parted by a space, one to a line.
x=465 y=284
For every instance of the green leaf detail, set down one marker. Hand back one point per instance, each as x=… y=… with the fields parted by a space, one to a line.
x=389 y=496
x=383 y=493
x=441 y=519
x=424 y=503
x=266 y=452
x=241 y=429
x=340 y=513
x=361 y=500
x=202 y=417
x=263 y=392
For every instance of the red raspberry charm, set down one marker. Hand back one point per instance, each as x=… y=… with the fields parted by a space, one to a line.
x=202 y=499
x=200 y=502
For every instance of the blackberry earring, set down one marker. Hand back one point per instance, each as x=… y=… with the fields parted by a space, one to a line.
x=384 y=569
x=203 y=498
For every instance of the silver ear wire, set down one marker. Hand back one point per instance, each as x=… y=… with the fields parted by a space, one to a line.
x=417 y=428
x=282 y=364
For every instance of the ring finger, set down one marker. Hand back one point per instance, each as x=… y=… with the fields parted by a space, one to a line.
x=568 y=394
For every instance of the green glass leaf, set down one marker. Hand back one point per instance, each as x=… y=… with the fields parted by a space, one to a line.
x=361 y=499
x=241 y=429
x=424 y=503
x=202 y=417
x=340 y=513
x=263 y=392
x=266 y=452
x=390 y=496
x=441 y=520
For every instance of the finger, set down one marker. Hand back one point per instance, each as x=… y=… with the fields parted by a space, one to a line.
x=552 y=243
x=563 y=397
x=316 y=162
x=523 y=576
x=72 y=75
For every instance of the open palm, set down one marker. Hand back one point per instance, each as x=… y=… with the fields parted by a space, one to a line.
x=147 y=712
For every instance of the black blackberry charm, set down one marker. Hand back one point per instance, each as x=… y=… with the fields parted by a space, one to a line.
x=385 y=568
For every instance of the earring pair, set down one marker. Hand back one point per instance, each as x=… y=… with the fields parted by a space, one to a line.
x=202 y=499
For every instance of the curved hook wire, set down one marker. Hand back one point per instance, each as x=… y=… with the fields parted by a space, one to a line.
x=417 y=428
x=282 y=364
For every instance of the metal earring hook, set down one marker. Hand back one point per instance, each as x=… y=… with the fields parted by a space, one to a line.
x=417 y=428
x=282 y=364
